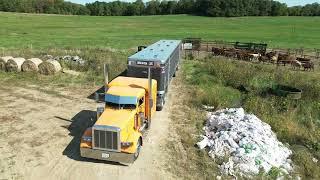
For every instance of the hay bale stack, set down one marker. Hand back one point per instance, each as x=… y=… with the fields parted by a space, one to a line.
x=14 y=64
x=31 y=65
x=3 y=61
x=49 y=67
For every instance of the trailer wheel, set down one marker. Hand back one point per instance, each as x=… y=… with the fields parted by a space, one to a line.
x=137 y=153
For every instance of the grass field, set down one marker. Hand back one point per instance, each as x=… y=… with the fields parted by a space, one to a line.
x=54 y=31
x=223 y=83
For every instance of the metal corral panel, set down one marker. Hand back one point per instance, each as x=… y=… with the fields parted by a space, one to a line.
x=159 y=51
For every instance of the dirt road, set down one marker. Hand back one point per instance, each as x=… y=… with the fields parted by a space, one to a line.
x=40 y=132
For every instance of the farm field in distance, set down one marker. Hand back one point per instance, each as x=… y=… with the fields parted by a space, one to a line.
x=56 y=31
x=56 y=108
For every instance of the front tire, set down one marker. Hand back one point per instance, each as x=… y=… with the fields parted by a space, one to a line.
x=137 y=153
x=160 y=107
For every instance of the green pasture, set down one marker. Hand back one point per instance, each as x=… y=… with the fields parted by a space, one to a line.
x=56 y=31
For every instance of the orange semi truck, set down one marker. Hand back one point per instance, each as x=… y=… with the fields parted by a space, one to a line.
x=130 y=104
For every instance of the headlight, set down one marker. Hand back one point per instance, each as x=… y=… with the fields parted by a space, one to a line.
x=157 y=64
x=126 y=144
x=131 y=62
x=87 y=138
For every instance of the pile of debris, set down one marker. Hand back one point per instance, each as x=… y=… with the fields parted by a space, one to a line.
x=244 y=143
x=67 y=58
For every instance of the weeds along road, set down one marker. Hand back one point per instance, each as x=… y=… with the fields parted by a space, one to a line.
x=40 y=133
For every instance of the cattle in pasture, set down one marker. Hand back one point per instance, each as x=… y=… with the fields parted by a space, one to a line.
x=217 y=51
x=264 y=59
x=243 y=55
x=308 y=66
x=296 y=65
x=230 y=53
x=272 y=57
x=303 y=60
x=255 y=57
x=285 y=59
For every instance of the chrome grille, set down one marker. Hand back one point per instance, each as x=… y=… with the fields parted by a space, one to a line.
x=106 y=138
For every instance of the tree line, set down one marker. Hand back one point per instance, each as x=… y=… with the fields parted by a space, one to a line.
x=214 y=8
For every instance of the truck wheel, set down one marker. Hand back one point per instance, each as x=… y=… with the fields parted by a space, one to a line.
x=136 y=154
x=159 y=108
x=148 y=124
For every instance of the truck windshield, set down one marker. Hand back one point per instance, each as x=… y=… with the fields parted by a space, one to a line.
x=120 y=106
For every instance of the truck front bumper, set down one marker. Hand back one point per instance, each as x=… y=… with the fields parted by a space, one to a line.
x=107 y=155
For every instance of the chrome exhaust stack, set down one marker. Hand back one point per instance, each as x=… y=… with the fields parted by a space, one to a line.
x=106 y=77
x=98 y=95
x=150 y=97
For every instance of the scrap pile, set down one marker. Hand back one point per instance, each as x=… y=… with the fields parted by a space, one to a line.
x=71 y=59
x=244 y=143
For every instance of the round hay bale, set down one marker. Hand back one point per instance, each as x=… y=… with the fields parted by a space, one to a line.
x=31 y=65
x=3 y=61
x=14 y=64
x=49 y=67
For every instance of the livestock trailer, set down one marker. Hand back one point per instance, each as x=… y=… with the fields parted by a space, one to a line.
x=163 y=58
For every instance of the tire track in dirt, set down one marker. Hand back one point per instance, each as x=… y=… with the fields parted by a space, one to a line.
x=41 y=138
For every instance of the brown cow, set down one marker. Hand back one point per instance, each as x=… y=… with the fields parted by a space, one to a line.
x=303 y=60
x=273 y=57
x=308 y=66
x=296 y=65
x=217 y=51
x=264 y=59
x=285 y=59
x=231 y=53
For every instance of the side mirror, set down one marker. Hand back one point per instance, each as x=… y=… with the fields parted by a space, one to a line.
x=97 y=97
x=136 y=122
x=99 y=111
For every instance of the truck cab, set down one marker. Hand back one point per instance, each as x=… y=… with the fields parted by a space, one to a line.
x=117 y=133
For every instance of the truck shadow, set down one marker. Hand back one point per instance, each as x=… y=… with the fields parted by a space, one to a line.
x=78 y=124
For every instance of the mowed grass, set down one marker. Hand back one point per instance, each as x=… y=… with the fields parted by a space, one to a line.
x=56 y=31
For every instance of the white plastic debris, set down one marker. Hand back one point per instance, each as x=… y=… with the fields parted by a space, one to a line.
x=245 y=143
x=315 y=160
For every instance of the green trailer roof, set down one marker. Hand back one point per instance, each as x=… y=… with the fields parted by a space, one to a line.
x=159 y=51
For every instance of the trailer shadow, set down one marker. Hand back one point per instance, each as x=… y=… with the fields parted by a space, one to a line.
x=78 y=124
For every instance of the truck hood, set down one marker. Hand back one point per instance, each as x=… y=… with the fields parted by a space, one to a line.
x=116 y=117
